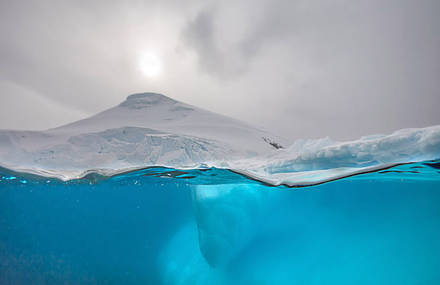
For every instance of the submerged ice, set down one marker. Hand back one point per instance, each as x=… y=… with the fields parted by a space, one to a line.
x=141 y=228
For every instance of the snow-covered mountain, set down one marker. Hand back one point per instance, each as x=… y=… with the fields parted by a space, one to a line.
x=146 y=129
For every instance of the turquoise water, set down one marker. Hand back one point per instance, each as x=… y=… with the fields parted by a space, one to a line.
x=212 y=226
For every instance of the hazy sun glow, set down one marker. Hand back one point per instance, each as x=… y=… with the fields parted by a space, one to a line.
x=150 y=64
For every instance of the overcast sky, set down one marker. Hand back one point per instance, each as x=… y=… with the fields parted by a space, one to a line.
x=301 y=68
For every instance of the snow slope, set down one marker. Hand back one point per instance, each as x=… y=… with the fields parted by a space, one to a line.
x=156 y=111
x=146 y=129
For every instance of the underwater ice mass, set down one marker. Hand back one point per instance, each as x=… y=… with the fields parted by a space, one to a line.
x=155 y=191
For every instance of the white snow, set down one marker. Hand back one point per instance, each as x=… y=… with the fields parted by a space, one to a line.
x=146 y=129
x=151 y=129
x=322 y=160
x=158 y=112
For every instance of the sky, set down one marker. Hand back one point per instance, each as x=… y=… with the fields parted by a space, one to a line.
x=299 y=68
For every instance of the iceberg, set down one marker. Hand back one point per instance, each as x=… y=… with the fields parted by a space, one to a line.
x=156 y=191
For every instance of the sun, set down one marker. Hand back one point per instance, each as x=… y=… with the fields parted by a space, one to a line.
x=150 y=64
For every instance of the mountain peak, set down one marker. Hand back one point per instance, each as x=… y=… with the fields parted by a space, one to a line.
x=145 y=100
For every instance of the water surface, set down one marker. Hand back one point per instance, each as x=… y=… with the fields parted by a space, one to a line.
x=213 y=226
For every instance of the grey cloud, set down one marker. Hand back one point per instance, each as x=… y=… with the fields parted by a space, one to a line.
x=227 y=61
x=199 y=34
x=302 y=68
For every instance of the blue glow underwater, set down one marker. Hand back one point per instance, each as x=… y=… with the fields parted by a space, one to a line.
x=213 y=226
